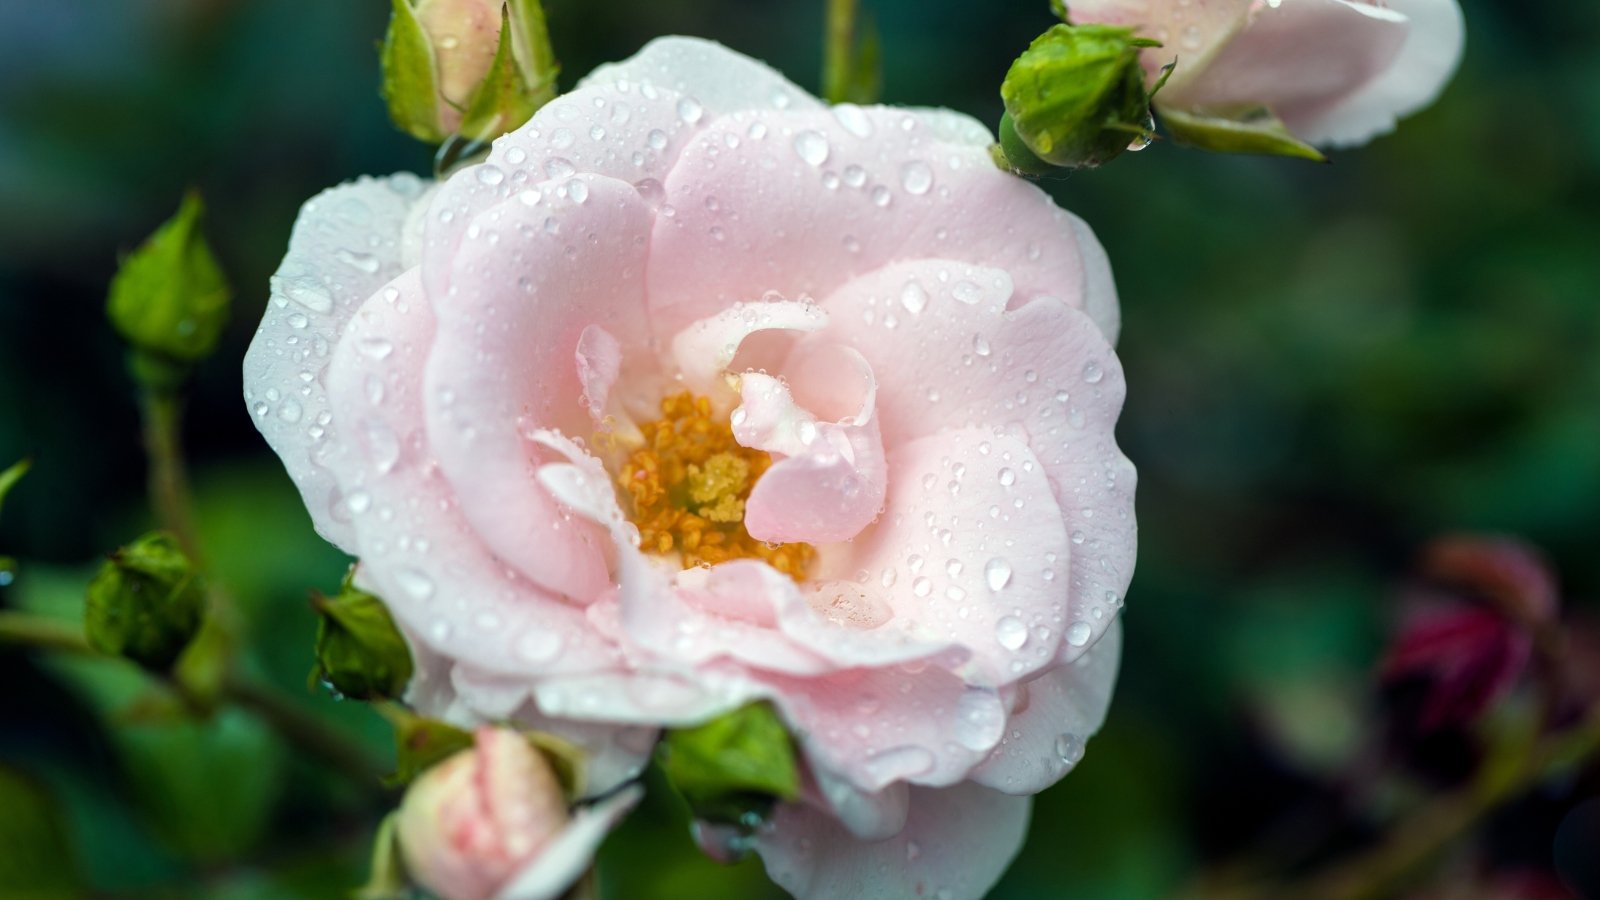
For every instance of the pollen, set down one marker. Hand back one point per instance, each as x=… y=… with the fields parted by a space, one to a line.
x=687 y=485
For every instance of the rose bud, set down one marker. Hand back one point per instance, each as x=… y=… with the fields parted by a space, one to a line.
x=360 y=653
x=1277 y=76
x=491 y=822
x=1075 y=97
x=169 y=299
x=452 y=65
x=145 y=603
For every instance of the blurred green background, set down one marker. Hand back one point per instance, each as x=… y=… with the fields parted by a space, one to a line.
x=1327 y=366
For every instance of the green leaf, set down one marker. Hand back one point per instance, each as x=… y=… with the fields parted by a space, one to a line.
x=420 y=743
x=169 y=299
x=10 y=477
x=1075 y=97
x=145 y=603
x=410 y=79
x=359 y=650
x=506 y=98
x=1254 y=130
x=38 y=860
x=732 y=766
x=852 y=63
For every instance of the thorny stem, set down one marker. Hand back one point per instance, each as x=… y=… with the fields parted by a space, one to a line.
x=839 y=50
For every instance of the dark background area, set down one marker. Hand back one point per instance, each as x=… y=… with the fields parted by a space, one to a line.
x=1328 y=366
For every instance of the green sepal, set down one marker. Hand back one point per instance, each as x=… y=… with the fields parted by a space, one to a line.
x=12 y=475
x=734 y=766
x=530 y=46
x=420 y=743
x=410 y=76
x=387 y=878
x=146 y=602
x=506 y=97
x=1254 y=130
x=1075 y=95
x=359 y=652
x=169 y=299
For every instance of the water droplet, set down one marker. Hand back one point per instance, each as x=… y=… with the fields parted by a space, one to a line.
x=854 y=119
x=556 y=167
x=916 y=177
x=1007 y=477
x=1092 y=373
x=913 y=297
x=490 y=175
x=980 y=345
x=1010 y=632
x=375 y=348
x=881 y=196
x=690 y=110
x=415 y=583
x=539 y=646
x=657 y=139
x=997 y=572
x=1070 y=748
x=1078 y=633
x=578 y=191
x=812 y=147
x=290 y=411
x=922 y=586
x=363 y=262
x=966 y=292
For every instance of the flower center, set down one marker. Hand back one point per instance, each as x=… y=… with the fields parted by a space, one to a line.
x=688 y=484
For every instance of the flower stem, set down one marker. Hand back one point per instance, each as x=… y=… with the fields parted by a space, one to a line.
x=306 y=731
x=169 y=480
x=839 y=50
x=26 y=630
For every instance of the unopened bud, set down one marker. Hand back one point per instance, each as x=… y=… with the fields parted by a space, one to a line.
x=1076 y=97
x=475 y=67
x=360 y=653
x=145 y=603
x=169 y=299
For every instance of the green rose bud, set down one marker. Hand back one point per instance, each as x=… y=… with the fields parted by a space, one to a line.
x=169 y=300
x=733 y=767
x=145 y=603
x=1075 y=97
x=360 y=653
x=479 y=68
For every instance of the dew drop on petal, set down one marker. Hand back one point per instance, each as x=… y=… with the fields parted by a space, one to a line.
x=916 y=177
x=1078 y=633
x=997 y=573
x=1010 y=632
x=913 y=297
x=812 y=147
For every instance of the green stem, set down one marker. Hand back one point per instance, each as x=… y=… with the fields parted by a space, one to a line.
x=307 y=731
x=169 y=480
x=25 y=630
x=839 y=50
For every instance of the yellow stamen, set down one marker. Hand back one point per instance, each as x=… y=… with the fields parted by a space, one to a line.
x=688 y=484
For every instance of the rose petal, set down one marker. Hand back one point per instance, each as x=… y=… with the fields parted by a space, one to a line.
x=501 y=364
x=956 y=843
x=718 y=79
x=1041 y=371
x=1430 y=55
x=1056 y=714
x=1299 y=58
x=346 y=244
x=570 y=853
x=830 y=478
x=811 y=203
x=417 y=551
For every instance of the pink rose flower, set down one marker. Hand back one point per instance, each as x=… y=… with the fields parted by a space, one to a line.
x=490 y=822
x=698 y=392
x=1336 y=72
